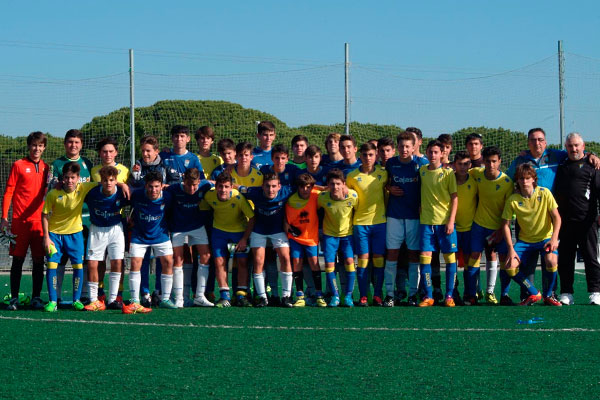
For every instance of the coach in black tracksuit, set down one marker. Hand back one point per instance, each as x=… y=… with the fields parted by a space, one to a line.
x=577 y=192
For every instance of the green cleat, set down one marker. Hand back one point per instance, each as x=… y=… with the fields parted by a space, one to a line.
x=78 y=305
x=51 y=307
x=168 y=304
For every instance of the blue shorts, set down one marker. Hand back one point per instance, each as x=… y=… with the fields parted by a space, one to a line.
x=463 y=241
x=332 y=244
x=220 y=239
x=369 y=239
x=479 y=236
x=433 y=237
x=71 y=245
x=525 y=250
x=298 y=250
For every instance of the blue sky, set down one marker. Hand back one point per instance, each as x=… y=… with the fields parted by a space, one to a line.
x=413 y=62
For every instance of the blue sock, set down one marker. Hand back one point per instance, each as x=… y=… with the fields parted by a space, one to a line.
x=551 y=280
x=379 y=278
x=472 y=273
x=77 y=283
x=51 y=283
x=157 y=284
x=363 y=281
x=145 y=274
x=504 y=283
x=426 y=279
x=331 y=283
x=525 y=283
x=450 y=278
x=351 y=276
x=225 y=294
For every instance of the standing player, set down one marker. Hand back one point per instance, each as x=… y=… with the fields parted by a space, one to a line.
x=314 y=166
x=226 y=150
x=25 y=189
x=265 y=133
x=386 y=149
x=205 y=136
x=299 y=145
x=474 y=145
x=369 y=182
x=285 y=170
x=338 y=204
x=333 y=156
x=348 y=151
x=244 y=173
x=537 y=215
x=438 y=212
x=62 y=224
x=416 y=132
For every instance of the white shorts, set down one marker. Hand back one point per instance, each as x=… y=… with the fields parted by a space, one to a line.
x=109 y=239
x=197 y=236
x=399 y=231
x=278 y=240
x=137 y=250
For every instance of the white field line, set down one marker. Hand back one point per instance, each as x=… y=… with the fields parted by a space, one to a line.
x=297 y=328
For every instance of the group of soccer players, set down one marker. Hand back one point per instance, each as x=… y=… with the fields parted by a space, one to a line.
x=380 y=219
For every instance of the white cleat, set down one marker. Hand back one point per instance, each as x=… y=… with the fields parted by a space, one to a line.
x=179 y=303
x=595 y=298
x=202 y=301
x=566 y=299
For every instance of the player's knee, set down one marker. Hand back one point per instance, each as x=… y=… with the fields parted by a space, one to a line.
x=450 y=258
x=551 y=268
x=350 y=267
x=425 y=259
x=378 y=262
x=363 y=262
x=474 y=262
x=77 y=266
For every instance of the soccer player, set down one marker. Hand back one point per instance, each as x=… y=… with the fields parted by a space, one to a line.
x=285 y=170
x=493 y=189
x=333 y=156
x=302 y=227
x=226 y=150
x=402 y=218
x=446 y=140
x=177 y=160
x=474 y=145
x=150 y=231
x=244 y=173
x=338 y=203
x=299 y=145
x=25 y=189
x=106 y=235
x=438 y=212
x=537 y=215
x=269 y=202
x=386 y=149
x=62 y=224
x=187 y=226
x=232 y=224
x=265 y=133
x=348 y=151
x=578 y=196
x=416 y=132
x=369 y=181
x=205 y=137
x=314 y=166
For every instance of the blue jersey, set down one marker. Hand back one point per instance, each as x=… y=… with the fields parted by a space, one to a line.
x=287 y=177
x=105 y=210
x=320 y=176
x=545 y=166
x=261 y=157
x=269 y=213
x=421 y=160
x=347 y=168
x=176 y=165
x=185 y=213
x=149 y=222
x=405 y=176
x=136 y=179
x=326 y=162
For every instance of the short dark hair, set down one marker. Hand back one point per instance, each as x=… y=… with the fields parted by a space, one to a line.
x=153 y=176
x=223 y=178
x=243 y=146
x=279 y=148
x=151 y=140
x=105 y=141
x=445 y=138
x=270 y=176
x=204 y=131
x=72 y=167
x=534 y=130
x=491 y=151
x=73 y=133
x=305 y=179
x=343 y=138
x=36 y=136
x=473 y=136
x=299 y=138
x=192 y=174
x=177 y=129
x=312 y=150
x=461 y=155
x=265 y=126
x=435 y=143
x=225 y=144
x=335 y=173
x=366 y=147
x=385 y=141
x=108 y=171
x=406 y=135
x=416 y=131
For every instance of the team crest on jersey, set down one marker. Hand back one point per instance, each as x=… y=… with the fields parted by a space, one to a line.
x=469 y=187
x=118 y=203
x=162 y=206
x=328 y=204
x=520 y=204
x=280 y=203
x=506 y=180
x=232 y=205
x=287 y=176
x=252 y=180
x=186 y=163
x=540 y=199
x=214 y=203
x=349 y=204
x=359 y=179
x=497 y=187
x=379 y=177
x=28 y=170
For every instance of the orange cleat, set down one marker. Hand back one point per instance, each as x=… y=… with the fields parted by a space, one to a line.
x=449 y=302
x=97 y=305
x=427 y=302
x=135 y=308
x=534 y=298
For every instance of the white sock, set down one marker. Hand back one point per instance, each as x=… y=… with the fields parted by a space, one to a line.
x=188 y=269
x=114 y=279
x=202 y=278
x=286 y=283
x=135 y=278
x=259 y=285
x=60 y=276
x=166 y=282
x=391 y=268
x=93 y=289
x=491 y=269
x=413 y=279
x=178 y=279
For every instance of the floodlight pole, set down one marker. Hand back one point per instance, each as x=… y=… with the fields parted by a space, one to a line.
x=131 y=110
x=347 y=88
x=561 y=90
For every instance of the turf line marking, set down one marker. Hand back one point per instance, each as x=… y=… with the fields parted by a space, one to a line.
x=299 y=328
x=580 y=273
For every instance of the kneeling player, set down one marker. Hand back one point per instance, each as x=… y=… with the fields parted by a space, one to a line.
x=338 y=202
x=539 y=220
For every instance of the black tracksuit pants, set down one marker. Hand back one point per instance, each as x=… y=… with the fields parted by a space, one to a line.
x=585 y=236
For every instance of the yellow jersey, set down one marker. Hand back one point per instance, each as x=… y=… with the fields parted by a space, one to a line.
x=436 y=187
x=492 y=198
x=64 y=209
x=467 y=204
x=338 y=213
x=210 y=163
x=371 y=194
x=533 y=214
x=231 y=215
x=121 y=178
x=254 y=178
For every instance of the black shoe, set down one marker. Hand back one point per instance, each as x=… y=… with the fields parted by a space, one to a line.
x=413 y=301
x=506 y=301
x=274 y=301
x=85 y=301
x=146 y=300
x=458 y=300
x=155 y=299
x=115 y=305
x=286 y=302
x=242 y=301
x=388 y=301
x=438 y=297
x=262 y=302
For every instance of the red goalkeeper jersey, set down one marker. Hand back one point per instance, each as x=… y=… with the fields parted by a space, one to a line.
x=26 y=187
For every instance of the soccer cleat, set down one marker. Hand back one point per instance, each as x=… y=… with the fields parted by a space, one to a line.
x=348 y=300
x=102 y=297
x=551 y=301
x=480 y=295
x=286 y=302
x=84 y=300
x=155 y=298
x=595 y=298
x=135 y=308
x=179 y=303
x=223 y=303
x=202 y=301
x=242 y=301
x=274 y=301
x=534 y=298
x=261 y=302
x=567 y=299
x=52 y=306
x=438 y=296
x=470 y=301
x=490 y=298
x=363 y=302
x=168 y=304
x=320 y=302
x=458 y=300
x=115 y=305
x=188 y=302
x=449 y=302
x=300 y=302
x=310 y=301
x=13 y=305
x=37 y=303
x=412 y=301
x=506 y=301
x=334 y=302
x=97 y=305
x=377 y=301
x=427 y=302
x=388 y=301
x=78 y=305
x=210 y=296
